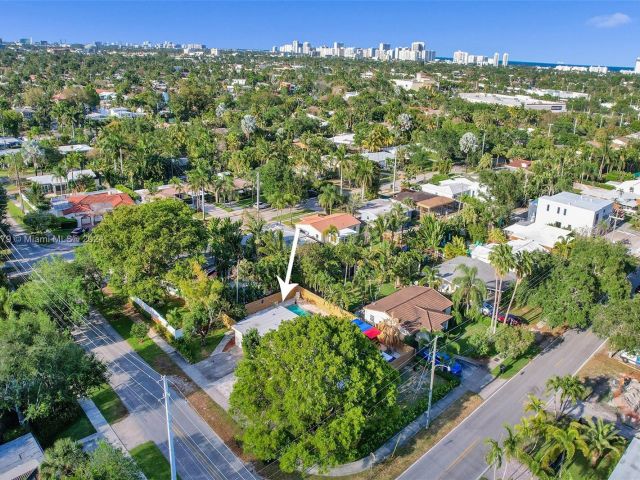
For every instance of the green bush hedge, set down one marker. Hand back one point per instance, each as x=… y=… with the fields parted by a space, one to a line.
x=128 y=191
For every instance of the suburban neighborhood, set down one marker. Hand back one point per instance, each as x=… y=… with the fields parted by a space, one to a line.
x=316 y=261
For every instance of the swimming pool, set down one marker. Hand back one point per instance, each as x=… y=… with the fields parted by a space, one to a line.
x=301 y=312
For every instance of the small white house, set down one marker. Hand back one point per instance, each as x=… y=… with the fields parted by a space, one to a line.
x=380 y=206
x=318 y=226
x=455 y=188
x=568 y=210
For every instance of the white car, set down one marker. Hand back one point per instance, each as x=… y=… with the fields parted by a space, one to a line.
x=630 y=358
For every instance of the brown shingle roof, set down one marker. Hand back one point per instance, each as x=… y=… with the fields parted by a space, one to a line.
x=322 y=222
x=415 y=308
x=435 y=202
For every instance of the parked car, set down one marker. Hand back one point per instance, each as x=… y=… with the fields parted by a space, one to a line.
x=76 y=232
x=631 y=358
x=487 y=308
x=443 y=360
x=513 y=320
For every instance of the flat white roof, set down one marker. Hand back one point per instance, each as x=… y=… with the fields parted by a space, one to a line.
x=265 y=321
x=20 y=456
x=585 y=202
x=545 y=235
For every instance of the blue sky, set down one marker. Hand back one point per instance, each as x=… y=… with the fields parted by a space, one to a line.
x=591 y=32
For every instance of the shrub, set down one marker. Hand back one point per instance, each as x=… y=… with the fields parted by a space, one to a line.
x=139 y=330
x=38 y=222
x=128 y=191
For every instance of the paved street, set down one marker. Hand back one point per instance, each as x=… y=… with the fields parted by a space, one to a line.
x=28 y=252
x=200 y=453
x=460 y=454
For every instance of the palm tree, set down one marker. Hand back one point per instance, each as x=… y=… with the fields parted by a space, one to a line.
x=278 y=201
x=602 y=439
x=341 y=155
x=62 y=460
x=468 y=287
x=510 y=447
x=566 y=390
x=563 y=443
x=328 y=197
x=177 y=184
x=494 y=455
x=429 y=234
x=563 y=248
x=332 y=233
x=502 y=260
x=60 y=172
x=377 y=228
x=199 y=178
x=524 y=267
x=365 y=172
x=390 y=333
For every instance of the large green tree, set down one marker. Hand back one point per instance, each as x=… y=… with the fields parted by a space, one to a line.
x=312 y=392
x=136 y=246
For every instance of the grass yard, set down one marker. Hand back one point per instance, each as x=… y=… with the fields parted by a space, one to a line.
x=386 y=289
x=288 y=219
x=15 y=212
x=513 y=366
x=224 y=207
x=109 y=404
x=197 y=351
x=530 y=314
x=151 y=461
x=76 y=429
x=246 y=202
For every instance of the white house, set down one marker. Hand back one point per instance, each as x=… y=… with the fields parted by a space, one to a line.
x=51 y=183
x=455 y=188
x=572 y=211
x=544 y=235
x=317 y=226
x=481 y=252
x=379 y=207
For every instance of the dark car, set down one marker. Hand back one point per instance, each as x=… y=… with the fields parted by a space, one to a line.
x=487 y=308
x=443 y=360
x=513 y=320
x=76 y=232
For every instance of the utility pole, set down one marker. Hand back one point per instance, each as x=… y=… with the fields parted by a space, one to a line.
x=258 y=191
x=15 y=164
x=433 y=371
x=172 y=453
x=484 y=135
x=395 y=167
x=575 y=125
x=549 y=132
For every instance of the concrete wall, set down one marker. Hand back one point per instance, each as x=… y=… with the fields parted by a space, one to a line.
x=322 y=303
x=156 y=317
x=263 y=303
x=374 y=317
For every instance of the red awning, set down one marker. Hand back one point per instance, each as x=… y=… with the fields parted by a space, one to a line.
x=372 y=333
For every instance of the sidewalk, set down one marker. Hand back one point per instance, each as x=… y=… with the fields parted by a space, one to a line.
x=103 y=429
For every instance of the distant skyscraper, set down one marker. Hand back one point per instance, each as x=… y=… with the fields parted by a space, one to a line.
x=496 y=59
x=295 y=46
x=417 y=46
x=637 y=69
x=505 y=59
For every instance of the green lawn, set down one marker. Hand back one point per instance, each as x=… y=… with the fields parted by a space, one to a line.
x=151 y=461
x=288 y=219
x=108 y=402
x=195 y=351
x=76 y=429
x=386 y=289
x=513 y=366
x=223 y=207
x=245 y=202
x=15 y=212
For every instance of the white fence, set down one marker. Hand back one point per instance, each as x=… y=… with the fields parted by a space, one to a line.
x=174 y=332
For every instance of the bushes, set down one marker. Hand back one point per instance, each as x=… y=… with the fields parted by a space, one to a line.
x=128 y=191
x=139 y=330
x=38 y=222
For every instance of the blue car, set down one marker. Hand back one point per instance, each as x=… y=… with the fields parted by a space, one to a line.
x=487 y=308
x=444 y=361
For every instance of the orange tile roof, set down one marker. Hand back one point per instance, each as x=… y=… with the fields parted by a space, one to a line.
x=322 y=222
x=100 y=202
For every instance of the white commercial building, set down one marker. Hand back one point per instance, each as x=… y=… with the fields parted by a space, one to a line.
x=568 y=210
x=524 y=101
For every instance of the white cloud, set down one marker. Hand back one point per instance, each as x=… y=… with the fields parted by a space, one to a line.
x=609 y=21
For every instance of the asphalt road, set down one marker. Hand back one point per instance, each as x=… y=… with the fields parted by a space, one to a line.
x=200 y=453
x=460 y=455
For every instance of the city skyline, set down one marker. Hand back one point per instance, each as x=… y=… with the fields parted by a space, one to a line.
x=605 y=32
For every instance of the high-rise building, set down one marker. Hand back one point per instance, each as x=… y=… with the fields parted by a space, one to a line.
x=417 y=46
x=496 y=59
x=505 y=59
x=306 y=48
x=460 y=57
x=637 y=68
x=295 y=46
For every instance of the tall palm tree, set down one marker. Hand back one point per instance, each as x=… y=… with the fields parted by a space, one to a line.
x=365 y=172
x=564 y=443
x=602 y=439
x=199 y=178
x=510 y=447
x=566 y=390
x=502 y=260
x=377 y=228
x=332 y=233
x=328 y=197
x=340 y=157
x=470 y=289
x=523 y=268
x=494 y=455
